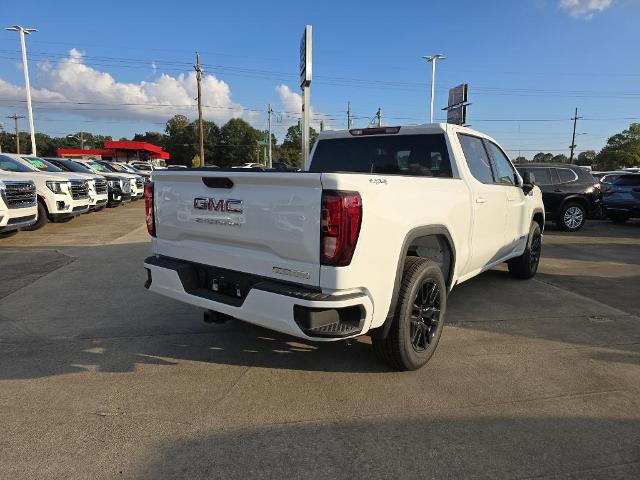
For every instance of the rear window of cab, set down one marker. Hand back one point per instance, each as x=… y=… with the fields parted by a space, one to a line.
x=423 y=155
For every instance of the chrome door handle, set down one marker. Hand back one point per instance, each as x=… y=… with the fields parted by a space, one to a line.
x=481 y=200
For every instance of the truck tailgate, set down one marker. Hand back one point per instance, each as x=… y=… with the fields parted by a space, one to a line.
x=264 y=223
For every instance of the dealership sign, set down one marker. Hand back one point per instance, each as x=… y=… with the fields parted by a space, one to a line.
x=305 y=57
x=457 y=105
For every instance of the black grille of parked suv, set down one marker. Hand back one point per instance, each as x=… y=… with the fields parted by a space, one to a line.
x=101 y=187
x=79 y=189
x=19 y=194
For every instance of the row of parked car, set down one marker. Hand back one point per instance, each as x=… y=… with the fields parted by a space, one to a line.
x=571 y=194
x=34 y=190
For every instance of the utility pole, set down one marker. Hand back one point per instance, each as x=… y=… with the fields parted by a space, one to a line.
x=80 y=138
x=26 y=31
x=200 y=126
x=573 y=138
x=379 y=117
x=349 y=117
x=15 y=117
x=433 y=59
x=269 y=113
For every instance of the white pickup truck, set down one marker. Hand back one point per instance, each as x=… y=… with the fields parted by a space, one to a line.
x=369 y=239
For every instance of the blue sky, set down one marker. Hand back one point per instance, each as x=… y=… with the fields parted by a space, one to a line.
x=524 y=60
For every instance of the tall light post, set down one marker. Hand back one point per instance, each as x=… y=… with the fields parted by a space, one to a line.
x=26 y=31
x=433 y=59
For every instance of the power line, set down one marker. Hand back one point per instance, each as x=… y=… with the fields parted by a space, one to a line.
x=328 y=79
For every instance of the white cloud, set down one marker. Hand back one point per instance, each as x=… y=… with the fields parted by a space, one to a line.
x=75 y=87
x=292 y=106
x=584 y=9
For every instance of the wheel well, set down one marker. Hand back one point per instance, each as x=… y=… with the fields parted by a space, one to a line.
x=539 y=218
x=436 y=248
x=581 y=201
x=44 y=204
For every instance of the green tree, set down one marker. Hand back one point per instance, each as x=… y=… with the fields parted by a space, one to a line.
x=560 y=158
x=586 y=158
x=622 y=150
x=291 y=149
x=212 y=139
x=520 y=159
x=542 y=157
x=156 y=138
x=181 y=140
x=238 y=143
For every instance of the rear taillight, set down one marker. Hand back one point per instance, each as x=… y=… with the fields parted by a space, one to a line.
x=149 y=213
x=597 y=186
x=340 y=226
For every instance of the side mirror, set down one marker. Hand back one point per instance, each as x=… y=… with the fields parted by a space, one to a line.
x=528 y=182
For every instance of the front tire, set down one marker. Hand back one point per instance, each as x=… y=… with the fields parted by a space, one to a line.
x=526 y=265
x=419 y=317
x=43 y=218
x=571 y=217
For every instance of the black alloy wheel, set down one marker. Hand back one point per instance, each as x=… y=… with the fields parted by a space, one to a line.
x=425 y=315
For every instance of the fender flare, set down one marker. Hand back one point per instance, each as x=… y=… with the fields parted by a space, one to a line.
x=541 y=212
x=412 y=235
x=576 y=198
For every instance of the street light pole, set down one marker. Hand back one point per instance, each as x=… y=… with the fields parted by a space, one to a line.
x=433 y=59
x=26 y=31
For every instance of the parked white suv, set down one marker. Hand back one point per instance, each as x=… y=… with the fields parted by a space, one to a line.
x=18 y=203
x=370 y=239
x=136 y=181
x=61 y=196
x=97 y=184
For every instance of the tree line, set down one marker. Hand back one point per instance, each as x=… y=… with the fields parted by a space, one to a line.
x=622 y=150
x=234 y=143
x=237 y=142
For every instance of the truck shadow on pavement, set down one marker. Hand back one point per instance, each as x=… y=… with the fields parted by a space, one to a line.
x=587 y=304
x=434 y=446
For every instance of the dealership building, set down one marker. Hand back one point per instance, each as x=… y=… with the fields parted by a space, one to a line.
x=120 y=151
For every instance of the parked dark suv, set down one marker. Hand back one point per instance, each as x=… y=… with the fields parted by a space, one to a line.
x=569 y=193
x=621 y=199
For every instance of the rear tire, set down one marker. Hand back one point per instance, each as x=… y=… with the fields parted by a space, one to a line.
x=43 y=218
x=526 y=265
x=571 y=217
x=419 y=317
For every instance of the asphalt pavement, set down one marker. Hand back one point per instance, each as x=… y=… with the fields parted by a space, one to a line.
x=100 y=378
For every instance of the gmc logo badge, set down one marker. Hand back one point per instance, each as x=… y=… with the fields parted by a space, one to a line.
x=229 y=205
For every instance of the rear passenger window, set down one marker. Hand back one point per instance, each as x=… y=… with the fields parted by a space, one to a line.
x=628 y=181
x=476 y=157
x=566 y=175
x=542 y=176
x=504 y=172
